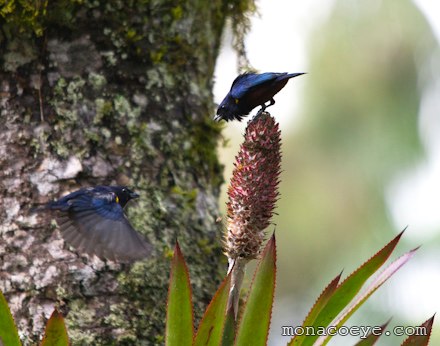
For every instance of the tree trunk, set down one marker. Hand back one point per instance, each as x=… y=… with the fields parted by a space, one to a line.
x=101 y=93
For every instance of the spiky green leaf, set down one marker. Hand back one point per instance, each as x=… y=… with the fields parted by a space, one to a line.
x=346 y=291
x=229 y=329
x=372 y=287
x=211 y=327
x=253 y=328
x=8 y=331
x=179 y=324
x=55 y=333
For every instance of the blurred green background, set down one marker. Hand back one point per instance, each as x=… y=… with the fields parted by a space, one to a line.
x=353 y=128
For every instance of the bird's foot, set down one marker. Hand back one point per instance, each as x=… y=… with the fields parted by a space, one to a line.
x=271 y=103
x=264 y=106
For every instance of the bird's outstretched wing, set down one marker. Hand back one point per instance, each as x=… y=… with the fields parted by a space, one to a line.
x=96 y=224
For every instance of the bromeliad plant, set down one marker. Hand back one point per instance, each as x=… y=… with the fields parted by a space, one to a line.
x=337 y=302
x=253 y=193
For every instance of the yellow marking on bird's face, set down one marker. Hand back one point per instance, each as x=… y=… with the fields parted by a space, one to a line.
x=117 y=199
x=236 y=101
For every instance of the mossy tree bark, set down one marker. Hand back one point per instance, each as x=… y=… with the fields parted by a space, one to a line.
x=108 y=92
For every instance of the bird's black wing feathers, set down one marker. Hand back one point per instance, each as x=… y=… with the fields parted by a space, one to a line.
x=247 y=81
x=94 y=222
x=113 y=239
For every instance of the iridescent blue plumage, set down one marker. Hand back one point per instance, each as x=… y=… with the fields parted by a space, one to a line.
x=92 y=220
x=250 y=90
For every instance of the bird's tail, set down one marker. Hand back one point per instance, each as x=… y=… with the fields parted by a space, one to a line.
x=293 y=75
x=38 y=209
x=45 y=207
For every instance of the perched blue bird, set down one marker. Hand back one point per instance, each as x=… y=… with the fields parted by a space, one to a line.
x=93 y=221
x=250 y=90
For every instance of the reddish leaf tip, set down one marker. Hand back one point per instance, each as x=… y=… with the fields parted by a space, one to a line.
x=56 y=314
x=385 y=325
x=272 y=239
x=397 y=238
x=270 y=246
x=431 y=320
x=340 y=274
x=388 y=321
x=422 y=340
x=177 y=251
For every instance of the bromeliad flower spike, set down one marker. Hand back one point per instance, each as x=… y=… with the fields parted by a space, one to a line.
x=253 y=190
x=92 y=220
x=253 y=193
x=250 y=90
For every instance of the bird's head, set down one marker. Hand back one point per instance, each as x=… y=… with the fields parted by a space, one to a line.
x=124 y=195
x=227 y=110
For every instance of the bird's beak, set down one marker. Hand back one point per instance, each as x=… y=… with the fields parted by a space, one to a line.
x=134 y=195
x=217 y=117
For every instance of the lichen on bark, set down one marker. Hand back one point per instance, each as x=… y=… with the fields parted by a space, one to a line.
x=108 y=92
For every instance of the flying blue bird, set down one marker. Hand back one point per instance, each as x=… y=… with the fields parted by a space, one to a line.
x=92 y=220
x=250 y=90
